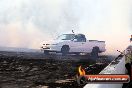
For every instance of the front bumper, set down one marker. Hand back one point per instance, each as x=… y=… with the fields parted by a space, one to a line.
x=46 y=48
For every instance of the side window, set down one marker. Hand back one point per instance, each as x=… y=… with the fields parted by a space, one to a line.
x=80 y=38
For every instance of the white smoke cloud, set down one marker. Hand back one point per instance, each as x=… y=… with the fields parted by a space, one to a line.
x=107 y=20
x=26 y=23
x=18 y=36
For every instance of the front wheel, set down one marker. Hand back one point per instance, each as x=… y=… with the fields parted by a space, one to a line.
x=95 y=52
x=46 y=52
x=65 y=50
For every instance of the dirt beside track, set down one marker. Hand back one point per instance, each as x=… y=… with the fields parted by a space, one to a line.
x=35 y=70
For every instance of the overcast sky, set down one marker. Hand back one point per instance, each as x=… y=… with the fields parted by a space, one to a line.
x=27 y=23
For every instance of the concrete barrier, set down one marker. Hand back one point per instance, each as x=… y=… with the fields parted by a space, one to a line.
x=117 y=67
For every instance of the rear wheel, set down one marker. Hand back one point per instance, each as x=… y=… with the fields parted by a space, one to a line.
x=65 y=50
x=95 y=52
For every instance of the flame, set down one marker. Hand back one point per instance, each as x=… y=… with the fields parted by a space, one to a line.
x=81 y=71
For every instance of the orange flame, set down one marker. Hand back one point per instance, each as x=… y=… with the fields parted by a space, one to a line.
x=81 y=71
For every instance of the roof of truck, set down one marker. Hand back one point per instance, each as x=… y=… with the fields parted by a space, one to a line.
x=75 y=33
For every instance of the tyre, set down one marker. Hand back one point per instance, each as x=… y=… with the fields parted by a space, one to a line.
x=46 y=52
x=77 y=53
x=65 y=50
x=95 y=52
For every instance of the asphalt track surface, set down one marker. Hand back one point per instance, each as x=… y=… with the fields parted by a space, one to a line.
x=36 y=70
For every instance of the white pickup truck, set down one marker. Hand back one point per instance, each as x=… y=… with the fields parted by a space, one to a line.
x=74 y=43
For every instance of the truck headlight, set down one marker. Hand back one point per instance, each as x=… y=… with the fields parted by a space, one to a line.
x=47 y=44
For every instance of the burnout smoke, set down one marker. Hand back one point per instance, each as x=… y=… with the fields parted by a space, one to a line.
x=27 y=23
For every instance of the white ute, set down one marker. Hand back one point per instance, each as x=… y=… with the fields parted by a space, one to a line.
x=74 y=43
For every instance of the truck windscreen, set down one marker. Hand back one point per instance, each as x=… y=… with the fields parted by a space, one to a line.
x=66 y=37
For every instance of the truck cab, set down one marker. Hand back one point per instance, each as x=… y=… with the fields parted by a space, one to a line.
x=72 y=37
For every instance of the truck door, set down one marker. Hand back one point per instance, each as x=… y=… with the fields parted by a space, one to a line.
x=78 y=43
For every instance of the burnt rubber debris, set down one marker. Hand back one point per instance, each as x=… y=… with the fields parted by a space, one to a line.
x=35 y=70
